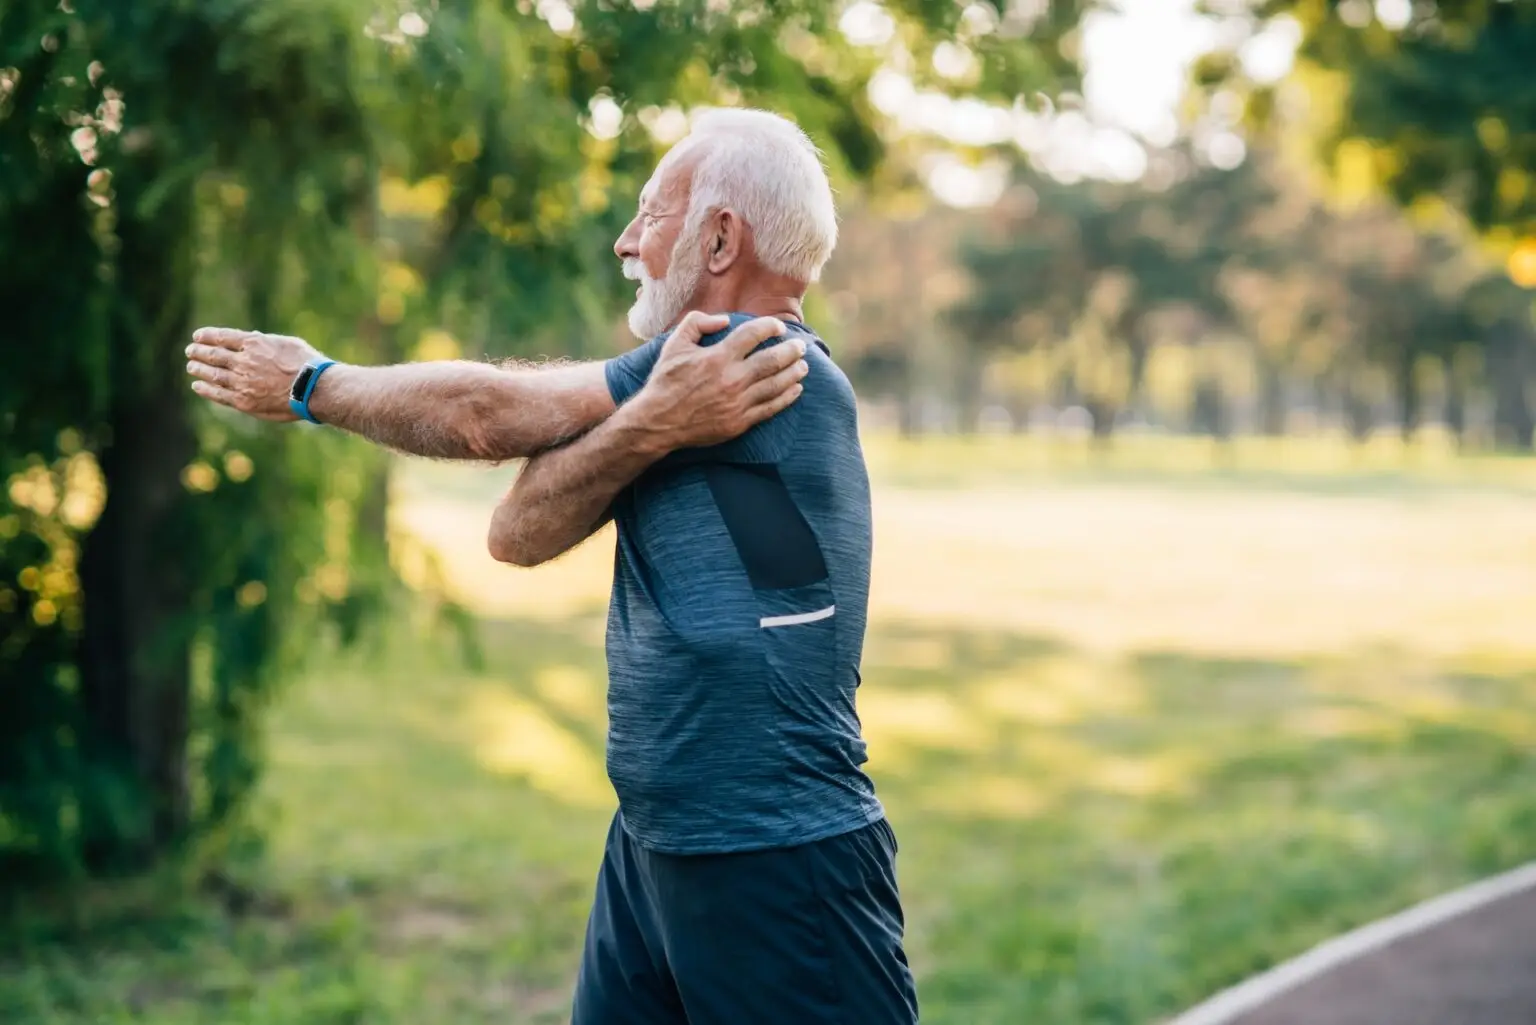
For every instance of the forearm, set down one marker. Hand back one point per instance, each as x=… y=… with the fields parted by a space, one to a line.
x=563 y=495
x=463 y=410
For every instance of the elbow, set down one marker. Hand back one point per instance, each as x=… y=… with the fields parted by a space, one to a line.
x=508 y=550
x=485 y=432
x=514 y=556
x=509 y=545
x=484 y=442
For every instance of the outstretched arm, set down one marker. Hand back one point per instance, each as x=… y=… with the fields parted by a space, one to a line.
x=563 y=496
x=464 y=410
x=444 y=410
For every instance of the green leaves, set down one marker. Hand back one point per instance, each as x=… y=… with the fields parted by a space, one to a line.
x=1447 y=96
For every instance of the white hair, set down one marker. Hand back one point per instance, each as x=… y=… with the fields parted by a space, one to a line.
x=766 y=169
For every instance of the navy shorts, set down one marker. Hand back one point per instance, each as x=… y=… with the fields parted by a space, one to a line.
x=808 y=935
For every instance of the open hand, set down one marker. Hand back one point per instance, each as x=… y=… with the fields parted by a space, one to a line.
x=698 y=396
x=247 y=370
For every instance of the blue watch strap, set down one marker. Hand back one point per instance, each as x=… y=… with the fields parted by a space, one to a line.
x=299 y=401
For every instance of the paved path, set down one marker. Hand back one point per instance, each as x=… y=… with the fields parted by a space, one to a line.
x=1468 y=958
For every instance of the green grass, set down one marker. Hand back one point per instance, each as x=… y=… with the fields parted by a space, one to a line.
x=1137 y=740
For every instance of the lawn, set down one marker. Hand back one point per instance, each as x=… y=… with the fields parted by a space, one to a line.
x=1144 y=724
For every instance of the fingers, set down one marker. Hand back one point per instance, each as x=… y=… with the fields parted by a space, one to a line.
x=222 y=337
x=771 y=388
x=211 y=355
x=774 y=358
x=774 y=406
x=740 y=342
x=239 y=402
x=696 y=325
x=212 y=392
x=216 y=376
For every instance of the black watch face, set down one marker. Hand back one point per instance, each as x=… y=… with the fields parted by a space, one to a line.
x=301 y=382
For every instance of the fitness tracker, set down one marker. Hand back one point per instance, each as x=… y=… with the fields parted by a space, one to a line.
x=304 y=387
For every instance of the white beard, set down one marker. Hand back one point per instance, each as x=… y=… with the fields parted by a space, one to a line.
x=663 y=301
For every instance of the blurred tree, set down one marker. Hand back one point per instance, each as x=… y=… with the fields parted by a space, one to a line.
x=1356 y=303
x=1431 y=103
x=1498 y=314
x=125 y=551
x=1096 y=260
x=1433 y=99
x=892 y=276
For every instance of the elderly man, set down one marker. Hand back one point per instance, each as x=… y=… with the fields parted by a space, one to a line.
x=749 y=875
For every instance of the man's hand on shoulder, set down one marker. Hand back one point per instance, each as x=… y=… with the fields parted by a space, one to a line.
x=695 y=396
x=698 y=396
x=247 y=370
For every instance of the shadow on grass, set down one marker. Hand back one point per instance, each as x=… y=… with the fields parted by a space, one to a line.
x=1084 y=838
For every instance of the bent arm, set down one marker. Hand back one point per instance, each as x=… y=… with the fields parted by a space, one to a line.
x=462 y=410
x=562 y=496
x=694 y=396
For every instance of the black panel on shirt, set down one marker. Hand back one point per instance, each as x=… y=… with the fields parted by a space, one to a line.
x=774 y=541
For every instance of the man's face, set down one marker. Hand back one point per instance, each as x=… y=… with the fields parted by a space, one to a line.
x=657 y=252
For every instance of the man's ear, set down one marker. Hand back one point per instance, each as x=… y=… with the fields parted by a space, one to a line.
x=727 y=241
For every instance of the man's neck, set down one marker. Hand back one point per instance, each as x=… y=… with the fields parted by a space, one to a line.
x=783 y=302
x=782 y=306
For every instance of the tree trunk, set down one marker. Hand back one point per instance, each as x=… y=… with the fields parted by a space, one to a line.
x=1510 y=365
x=1408 y=398
x=970 y=374
x=1271 y=399
x=1358 y=414
x=1103 y=414
x=1455 y=402
x=1208 y=411
x=135 y=568
x=1019 y=409
x=1139 y=352
x=908 y=402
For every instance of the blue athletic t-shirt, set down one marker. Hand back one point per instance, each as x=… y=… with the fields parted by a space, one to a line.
x=736 y=627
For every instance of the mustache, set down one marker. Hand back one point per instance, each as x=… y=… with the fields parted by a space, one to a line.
x=634 y=270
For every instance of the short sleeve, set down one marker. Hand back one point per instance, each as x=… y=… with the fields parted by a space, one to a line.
x=628 y=373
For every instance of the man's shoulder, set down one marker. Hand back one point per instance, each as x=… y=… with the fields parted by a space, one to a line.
x=794 y=327
x=810 y=334
x=716 y=337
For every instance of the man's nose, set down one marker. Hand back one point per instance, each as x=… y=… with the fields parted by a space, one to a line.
x=625 y=247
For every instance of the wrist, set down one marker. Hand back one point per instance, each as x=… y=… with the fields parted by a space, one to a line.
x=302 y=389
x=640 y=431
x=322 y=397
